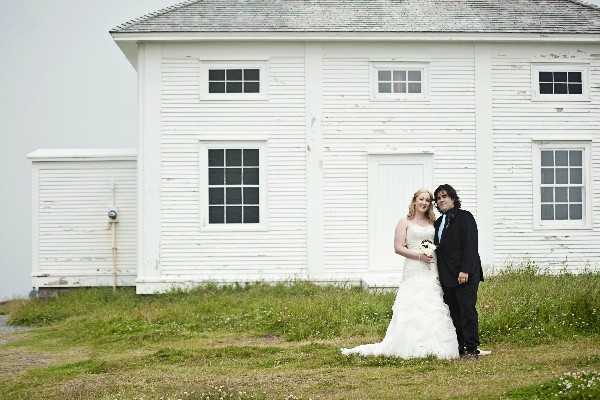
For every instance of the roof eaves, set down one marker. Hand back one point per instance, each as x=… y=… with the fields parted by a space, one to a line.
x=146 y=17
x=586 y=4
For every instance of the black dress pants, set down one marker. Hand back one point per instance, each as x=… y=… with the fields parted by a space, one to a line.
x=461 y=301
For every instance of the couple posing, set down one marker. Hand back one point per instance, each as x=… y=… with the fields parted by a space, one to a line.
x=429 y=318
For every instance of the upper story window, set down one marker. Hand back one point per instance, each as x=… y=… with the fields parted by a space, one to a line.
x=562 y=189
x=560 y=81
x=233 y=80
x=399 y=81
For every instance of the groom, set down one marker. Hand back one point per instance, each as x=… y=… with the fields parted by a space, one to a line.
x=459 y=267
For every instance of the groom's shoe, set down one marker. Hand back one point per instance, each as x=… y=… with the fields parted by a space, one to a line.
x=470 y=355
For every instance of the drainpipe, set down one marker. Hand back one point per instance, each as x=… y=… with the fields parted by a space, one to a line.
x=113 y=216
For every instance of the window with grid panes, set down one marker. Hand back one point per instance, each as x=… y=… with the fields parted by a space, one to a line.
x=234 y=80
x=399 y=81
x=560 y=82
x=561 y=185
x=233 y=186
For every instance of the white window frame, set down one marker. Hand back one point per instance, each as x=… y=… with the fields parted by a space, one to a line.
x=376 y=66
x=537 y=67
x=261 y=65
x=586 y=147
x=204 y=146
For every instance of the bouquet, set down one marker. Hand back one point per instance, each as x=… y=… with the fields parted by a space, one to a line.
x=428 y=248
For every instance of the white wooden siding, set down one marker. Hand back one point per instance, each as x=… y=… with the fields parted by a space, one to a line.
x=354 y=126
x=189 y=253
x=517 y=122
x=72 y=234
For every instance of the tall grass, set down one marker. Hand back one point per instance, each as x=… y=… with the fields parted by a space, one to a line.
x=282 y=342
x=521 y=305
x=531 y=306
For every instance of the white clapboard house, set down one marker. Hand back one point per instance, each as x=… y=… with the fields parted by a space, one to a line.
x=283 y=140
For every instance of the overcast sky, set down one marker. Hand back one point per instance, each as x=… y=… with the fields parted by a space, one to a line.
x=64 y=83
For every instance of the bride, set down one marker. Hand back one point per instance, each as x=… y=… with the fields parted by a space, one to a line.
x=421 y=324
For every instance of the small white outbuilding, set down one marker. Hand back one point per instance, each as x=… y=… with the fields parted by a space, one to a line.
x=75 y=241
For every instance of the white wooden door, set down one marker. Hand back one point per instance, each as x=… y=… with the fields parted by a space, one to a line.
x=393 y=179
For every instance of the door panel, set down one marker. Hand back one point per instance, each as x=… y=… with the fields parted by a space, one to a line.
x=393 y=179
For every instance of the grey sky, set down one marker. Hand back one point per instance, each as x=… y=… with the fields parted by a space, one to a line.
x=63 y=84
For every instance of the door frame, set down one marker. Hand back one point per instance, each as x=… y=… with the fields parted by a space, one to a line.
x=376 y=159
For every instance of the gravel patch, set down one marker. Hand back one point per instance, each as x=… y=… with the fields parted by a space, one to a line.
x=8 y=328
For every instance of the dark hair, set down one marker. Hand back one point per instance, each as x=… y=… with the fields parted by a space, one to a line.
x=450 y=192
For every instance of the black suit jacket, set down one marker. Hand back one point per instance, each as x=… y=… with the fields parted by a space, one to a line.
x=458 y=250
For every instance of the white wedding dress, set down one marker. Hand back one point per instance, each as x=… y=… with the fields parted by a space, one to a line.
x=421 y=324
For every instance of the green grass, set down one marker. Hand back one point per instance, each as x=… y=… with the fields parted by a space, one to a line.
x=282 y=341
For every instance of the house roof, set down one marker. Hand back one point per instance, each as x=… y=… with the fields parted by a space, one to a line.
x=409 y=16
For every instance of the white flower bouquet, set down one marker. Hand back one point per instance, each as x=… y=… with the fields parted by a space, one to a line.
x=427 y=247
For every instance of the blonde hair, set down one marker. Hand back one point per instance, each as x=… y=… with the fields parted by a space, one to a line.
x=412 y=209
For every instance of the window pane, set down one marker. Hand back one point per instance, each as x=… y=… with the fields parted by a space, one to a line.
x=384 y=75
x=233 y=214
x=250 y=157
x=216 y=74
x=250 y=195
x=216 y=196
x=547 y=158
x=251 y=87
x=399 y=87
x=216 y=87
x=233 y=157
x=561 y=212
x=575 y=195
x=576 y=176
x=575 y=157
x=574 y=77
x=560 y=195
x=547 y=176
x=560 y=77
x=234 y=74
x=546 y=88
x=575 y=211
x=216 y=176
x=414 y=88
x=216 y=215
x=251 y=215
x=547 y=212
x=234 y=195
x=561 y=158
x=385 y=87
x=399 y=75
x=215 y=158
x=560 y=88
x=234 y=87
x=562 y=176
x=575 y=88
x=546 y=77
x=233 y=176
x=250 y=176
x=251 y=74
x=547 y=195
x=414 y=76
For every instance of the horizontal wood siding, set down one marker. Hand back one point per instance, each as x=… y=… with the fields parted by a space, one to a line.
x=353 y=125
x=189 y=252
x=74 y=233
x=517 y=121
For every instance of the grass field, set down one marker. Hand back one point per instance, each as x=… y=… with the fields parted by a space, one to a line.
x=282 y=342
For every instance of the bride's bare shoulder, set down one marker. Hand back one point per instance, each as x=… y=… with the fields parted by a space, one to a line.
x=403 y=223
